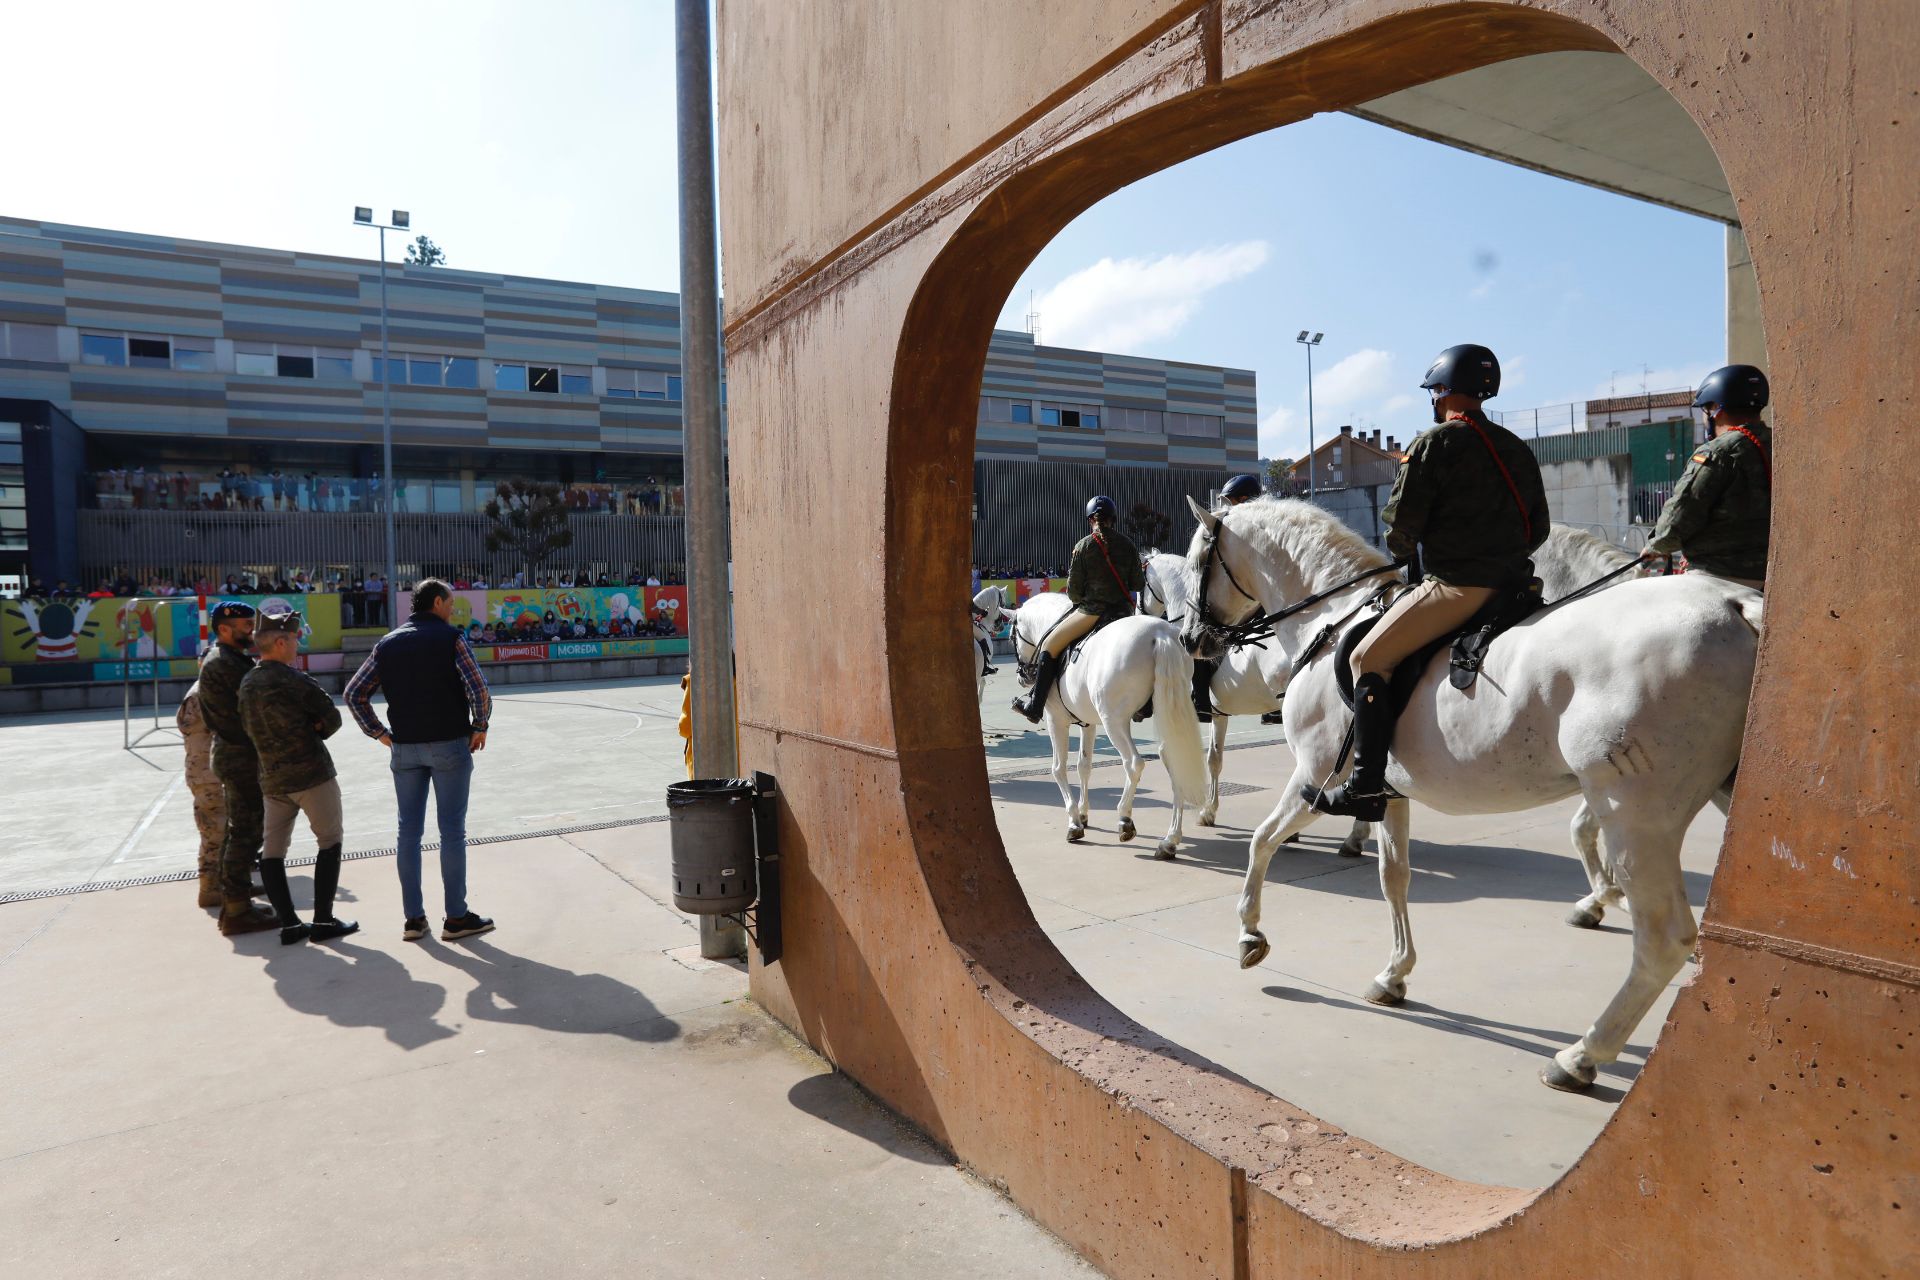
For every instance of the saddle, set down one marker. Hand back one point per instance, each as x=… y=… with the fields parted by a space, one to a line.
x=1469 y=644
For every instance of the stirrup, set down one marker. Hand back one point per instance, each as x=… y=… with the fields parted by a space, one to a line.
x=1342 y=803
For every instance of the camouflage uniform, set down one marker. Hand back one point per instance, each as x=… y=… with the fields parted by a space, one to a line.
x=236 y=764
x=1093 y=587
x=1719 y=513
x=209 y=798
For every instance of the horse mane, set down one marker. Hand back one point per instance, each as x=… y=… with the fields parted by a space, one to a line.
x=1571 y=558
x=1321 y=549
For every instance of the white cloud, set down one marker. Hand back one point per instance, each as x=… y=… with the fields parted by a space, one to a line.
x=1630 y=382
x=1396 y=404
x=1358 y=379
x=1480 y=290
x=1123 y=304
x=1283 y=434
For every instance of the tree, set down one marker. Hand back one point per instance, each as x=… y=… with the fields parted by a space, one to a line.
x=425 y=253
x=1281 y=481
x=529 y=519
x=1147 y=527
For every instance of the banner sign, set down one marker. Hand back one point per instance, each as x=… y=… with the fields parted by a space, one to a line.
x=116 y=629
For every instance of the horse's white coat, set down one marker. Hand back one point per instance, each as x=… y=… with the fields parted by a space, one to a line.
x=1634 y=699
x=1119 y=667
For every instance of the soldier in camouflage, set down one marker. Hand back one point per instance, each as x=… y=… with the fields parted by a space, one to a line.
x=1721 y=509
x=209 y=799
x=1105 y=576
x=288 y=716
x=236 y=765
x=1469 y=505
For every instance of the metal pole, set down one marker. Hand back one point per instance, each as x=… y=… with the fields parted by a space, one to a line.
x=709 y=628
x=1313 y=463
x=386 y=434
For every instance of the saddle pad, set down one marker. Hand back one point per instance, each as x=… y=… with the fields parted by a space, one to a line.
x=1469 y=644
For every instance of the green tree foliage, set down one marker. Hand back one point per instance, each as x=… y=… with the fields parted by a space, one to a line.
x=1147 y=527
x=529 y=518
x=425 y=253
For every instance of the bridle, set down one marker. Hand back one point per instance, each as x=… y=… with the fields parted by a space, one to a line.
x=1161 y=598
x=1258 y=628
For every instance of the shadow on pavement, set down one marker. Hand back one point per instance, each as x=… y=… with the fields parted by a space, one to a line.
x=514 y=989
x=356 y=986
x=835 y=1099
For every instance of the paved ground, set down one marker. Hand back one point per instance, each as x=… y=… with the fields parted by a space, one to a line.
x=573 y=1095
x=79 y=808
x=1449 y=1078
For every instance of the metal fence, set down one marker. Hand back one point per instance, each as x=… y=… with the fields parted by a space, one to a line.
x=1032 y=513
x=188 y=544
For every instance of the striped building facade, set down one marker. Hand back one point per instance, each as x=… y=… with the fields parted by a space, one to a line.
x=153 y=374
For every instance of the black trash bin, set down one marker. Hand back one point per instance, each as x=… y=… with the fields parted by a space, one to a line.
x=711 y=820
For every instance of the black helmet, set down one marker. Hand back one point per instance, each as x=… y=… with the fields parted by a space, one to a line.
x=1468 y=369
x=1101 y=508
x=1240 y=488
x=1739 y=387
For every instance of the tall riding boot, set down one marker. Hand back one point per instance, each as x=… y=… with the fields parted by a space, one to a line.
x=274 y=872
x=326 y=882
x=1203 y=688
x=1034 y=704
x=1365 y=793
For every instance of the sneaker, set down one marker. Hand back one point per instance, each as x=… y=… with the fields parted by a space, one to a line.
x=465 y=926
x=414 y=929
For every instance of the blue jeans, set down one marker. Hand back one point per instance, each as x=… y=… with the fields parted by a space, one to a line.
x=448 y=766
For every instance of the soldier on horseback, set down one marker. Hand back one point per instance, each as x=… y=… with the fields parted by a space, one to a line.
x=1469 y=504
x=1105 y=576
x=1719 y=513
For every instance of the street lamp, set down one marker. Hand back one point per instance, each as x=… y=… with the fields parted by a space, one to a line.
x=402 y=221
x=1312 y=462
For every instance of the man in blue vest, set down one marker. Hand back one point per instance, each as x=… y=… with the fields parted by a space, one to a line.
x=438 y=703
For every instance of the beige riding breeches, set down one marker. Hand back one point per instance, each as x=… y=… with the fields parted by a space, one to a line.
x=321 y=804
x=1069 y=629
x=1417 y=618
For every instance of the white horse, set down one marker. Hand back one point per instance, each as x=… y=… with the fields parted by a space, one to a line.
x=1634 y=699
x=989 y=609
x=1117 y=669
x=1249 y=682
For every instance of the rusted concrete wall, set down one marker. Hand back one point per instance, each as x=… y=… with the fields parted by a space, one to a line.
x=887 y=171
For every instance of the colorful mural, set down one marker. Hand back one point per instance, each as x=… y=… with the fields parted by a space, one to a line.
x=118 y=629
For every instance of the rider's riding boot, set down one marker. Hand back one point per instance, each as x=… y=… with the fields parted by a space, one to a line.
x=1202 y=689
x=1365 y=793
x=1034 y=704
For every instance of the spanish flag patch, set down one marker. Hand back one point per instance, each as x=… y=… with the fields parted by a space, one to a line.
x=1700 y=457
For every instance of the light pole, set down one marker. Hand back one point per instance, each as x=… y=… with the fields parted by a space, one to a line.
x=1313 y=465
x=402 y=221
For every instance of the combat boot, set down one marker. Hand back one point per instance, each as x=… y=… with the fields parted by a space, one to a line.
x=210 y=889
x=1365 y=793
x=243 y=915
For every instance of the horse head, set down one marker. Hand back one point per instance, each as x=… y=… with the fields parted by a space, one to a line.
x=1219 y=602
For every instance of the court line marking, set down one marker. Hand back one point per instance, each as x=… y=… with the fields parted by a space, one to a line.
x=139 y=831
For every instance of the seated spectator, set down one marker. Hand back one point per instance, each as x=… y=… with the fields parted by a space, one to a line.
x=550 y=626
x=579 y=629
x=602 y=581
x=653 y=579
x=479 y=582
x=473 y=633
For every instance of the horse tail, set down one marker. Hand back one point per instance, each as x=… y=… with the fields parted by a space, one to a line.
x=1174 y=720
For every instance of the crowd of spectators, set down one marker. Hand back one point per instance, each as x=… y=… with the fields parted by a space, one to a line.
x=241 y=489
x=552 y=627
x=1001 y=571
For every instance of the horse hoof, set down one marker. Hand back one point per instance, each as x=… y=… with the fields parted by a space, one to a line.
x=1353 y=851
x=1164 y=852
x=1075 y=833
x=1253 y=950
x=1377 y=994
x=1206 y=819
x=1127 y=830
x=1555 y=1076
x=1583 y=918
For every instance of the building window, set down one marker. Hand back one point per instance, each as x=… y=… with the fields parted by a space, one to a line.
x=150 y=353
x=103 y=348
x=332 y=364
x=29 y=342
x=461 y=371
x=1022 y=411
x=1205 y=425
x=1085 y=416
x=509 y=377
x=673 y=389
x=544 y=378
x=254 y=359
x=575 y=380
x=193 y=355
x=424 y=373
x=294 y=366
x=1336 y=453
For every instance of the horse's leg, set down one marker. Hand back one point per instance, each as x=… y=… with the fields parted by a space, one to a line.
x=1288 y=818
x=1646 y=845
x=1216 y=756
x=1587 y=912
x=1119 y=730
x=1082 y=813
x=1355 y=845
x=1057 y=734
x=1396 y=873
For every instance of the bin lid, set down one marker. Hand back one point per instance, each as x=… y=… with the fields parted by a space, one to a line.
x=694 y=790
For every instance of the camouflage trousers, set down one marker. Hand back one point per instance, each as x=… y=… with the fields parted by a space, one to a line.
x=209 y=801
x=246 y=815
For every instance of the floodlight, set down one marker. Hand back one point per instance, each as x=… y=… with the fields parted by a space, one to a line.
x=362 y=214
x=1302 y=337
x=1317 y=337
x=401 y=218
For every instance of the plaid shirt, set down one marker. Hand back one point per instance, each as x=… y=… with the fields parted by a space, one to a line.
x=366 y=683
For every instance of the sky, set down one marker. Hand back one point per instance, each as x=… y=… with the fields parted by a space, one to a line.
x=538 y=140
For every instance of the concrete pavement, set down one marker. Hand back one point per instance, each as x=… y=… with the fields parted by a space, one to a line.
x=574 y=1094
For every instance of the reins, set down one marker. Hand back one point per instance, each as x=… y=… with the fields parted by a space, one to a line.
x=1259 y=628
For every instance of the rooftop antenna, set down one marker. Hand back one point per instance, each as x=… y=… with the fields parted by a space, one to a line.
x=1033 y=318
